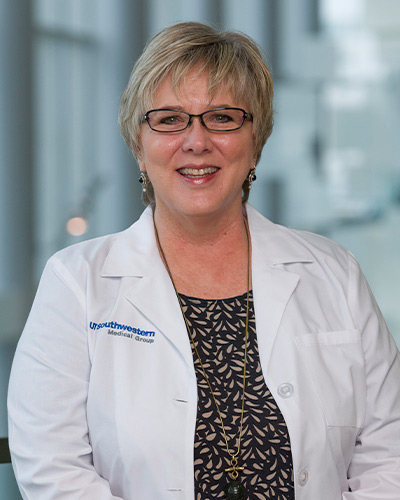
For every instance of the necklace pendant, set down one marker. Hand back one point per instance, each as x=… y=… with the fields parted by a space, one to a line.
x=235 y=491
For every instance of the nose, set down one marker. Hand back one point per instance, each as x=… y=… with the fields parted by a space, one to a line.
x=197 y=138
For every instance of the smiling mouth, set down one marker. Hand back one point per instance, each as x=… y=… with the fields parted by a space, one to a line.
x=195 y=173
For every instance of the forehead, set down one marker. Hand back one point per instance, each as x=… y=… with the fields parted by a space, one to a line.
x=193 y=90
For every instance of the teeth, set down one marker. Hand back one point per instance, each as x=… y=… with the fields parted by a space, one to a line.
x=198 y=172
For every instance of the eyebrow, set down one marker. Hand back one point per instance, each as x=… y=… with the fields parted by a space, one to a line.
x=210 y=107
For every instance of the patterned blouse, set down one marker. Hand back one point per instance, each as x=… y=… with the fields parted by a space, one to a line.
x=218 y=328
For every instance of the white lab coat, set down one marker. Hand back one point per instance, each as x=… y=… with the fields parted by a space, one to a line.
x=103 y=393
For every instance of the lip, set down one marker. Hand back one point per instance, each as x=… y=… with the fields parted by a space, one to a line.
x=197 y=171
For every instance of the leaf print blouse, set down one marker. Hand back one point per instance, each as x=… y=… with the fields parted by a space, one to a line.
x=218 y=329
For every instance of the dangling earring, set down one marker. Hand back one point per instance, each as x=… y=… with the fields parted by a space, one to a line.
x=144 y=179
x=251 y=177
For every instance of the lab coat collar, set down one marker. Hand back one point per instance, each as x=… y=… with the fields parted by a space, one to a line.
x=134 y=251
x=276 y=244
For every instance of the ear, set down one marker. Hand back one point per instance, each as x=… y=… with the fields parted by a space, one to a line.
x=142 y=166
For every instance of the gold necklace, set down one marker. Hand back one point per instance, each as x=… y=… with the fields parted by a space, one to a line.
x=234 y=490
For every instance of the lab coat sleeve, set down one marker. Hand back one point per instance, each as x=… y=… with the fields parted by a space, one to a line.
x=48 y=431
x=374 y=472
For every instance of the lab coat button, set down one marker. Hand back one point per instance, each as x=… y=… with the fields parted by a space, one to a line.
x=285 y=390
x=303 y=477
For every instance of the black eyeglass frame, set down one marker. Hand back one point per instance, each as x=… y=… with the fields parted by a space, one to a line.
x=246 y=116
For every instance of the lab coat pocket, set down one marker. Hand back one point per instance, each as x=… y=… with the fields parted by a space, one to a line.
x=335 y=365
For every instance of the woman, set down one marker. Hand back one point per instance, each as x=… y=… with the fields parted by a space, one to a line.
x=204 y=352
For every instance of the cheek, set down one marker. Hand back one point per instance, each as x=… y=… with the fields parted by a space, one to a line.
x=242 y=150
x=158 y=148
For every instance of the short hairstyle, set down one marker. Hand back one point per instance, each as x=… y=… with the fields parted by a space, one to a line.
x=232 y=60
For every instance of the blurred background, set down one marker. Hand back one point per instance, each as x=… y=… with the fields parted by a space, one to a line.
x=332 y=165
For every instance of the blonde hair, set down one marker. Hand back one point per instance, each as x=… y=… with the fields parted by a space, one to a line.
x=231 y=60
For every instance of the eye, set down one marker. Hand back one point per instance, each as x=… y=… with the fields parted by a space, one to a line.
x=170 y=120
x=165 y=120
x=220 y=117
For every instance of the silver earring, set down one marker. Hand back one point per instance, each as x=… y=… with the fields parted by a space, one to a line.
x=144 y=179
x=251 y=177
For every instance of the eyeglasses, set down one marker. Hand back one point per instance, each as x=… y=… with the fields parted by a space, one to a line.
x=217 y=120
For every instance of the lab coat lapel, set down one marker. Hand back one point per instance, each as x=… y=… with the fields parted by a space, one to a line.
x=272 y=289
x=155 y=297
x=134 y=254
x=273 y=283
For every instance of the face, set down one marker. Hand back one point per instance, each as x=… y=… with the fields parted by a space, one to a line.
x=196 y=172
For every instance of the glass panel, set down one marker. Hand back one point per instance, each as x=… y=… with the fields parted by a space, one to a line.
x=7 y=348
x=9 y=488
x=66 y=119
x=69 y=16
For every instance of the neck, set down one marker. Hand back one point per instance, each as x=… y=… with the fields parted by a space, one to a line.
x=200 y=231
x=207 y=260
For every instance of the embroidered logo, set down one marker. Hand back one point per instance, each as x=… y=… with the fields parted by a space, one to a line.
x=121 y=330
